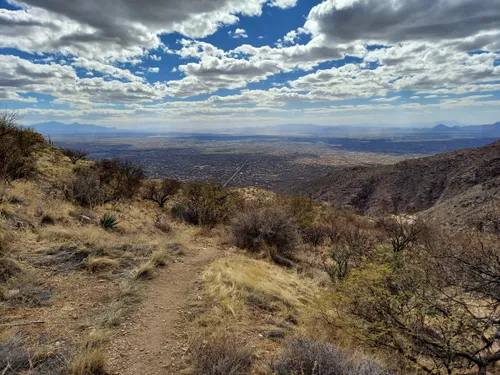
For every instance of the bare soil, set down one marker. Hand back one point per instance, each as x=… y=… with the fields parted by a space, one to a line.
x=154 y=339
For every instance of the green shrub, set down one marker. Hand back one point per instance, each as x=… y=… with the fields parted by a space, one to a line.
x=108 y=221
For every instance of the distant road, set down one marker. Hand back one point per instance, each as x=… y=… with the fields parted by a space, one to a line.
x=236 y=173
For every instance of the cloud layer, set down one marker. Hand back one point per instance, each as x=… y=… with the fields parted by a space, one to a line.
x=108 y=59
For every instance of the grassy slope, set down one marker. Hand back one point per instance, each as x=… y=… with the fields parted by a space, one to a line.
x=69 y=273
x=81 y=280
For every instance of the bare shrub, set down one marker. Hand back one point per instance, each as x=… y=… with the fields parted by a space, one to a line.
x=160 y=191
x=86 y=188
x=121 y=178
x=222 y=355
x=106 y=181
x=17 y=148
x=74 y=155
x=255 y=229
x=8 y=122
x=203 y=204
x=403 y=234
x=314 y=235
x=312 y=357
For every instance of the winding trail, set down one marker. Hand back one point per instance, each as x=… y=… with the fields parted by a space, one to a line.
x=152 y=341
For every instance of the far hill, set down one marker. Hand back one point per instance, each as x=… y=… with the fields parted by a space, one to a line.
x=59 y=128
x=456 y=183
x=487 y=131
x=437 y=132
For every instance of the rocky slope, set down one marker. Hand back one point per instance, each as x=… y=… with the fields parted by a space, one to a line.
x=457 y=182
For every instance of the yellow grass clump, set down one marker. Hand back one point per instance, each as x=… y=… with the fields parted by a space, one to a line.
x=91 y=356
x=238 y=282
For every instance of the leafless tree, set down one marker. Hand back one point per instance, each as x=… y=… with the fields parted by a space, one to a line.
x=160 y=191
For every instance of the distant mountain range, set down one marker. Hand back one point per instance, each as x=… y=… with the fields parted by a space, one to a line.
x=58 y=128
x=441 y=130
x=54 y=128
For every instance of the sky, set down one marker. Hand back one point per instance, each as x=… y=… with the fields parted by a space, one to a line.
x=201 y=64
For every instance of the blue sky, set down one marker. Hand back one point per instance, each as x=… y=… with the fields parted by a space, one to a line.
x=226 y=63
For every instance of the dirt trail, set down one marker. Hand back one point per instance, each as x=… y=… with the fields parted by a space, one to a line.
x=152 y=341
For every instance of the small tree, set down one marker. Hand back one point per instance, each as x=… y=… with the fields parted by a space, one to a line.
x=203 y=204
x=74 y=155
x=259 y=229
x=436 y=306
x=160 y=191
x=402 y=234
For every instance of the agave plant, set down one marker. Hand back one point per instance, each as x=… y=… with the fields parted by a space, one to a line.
x=108 y=222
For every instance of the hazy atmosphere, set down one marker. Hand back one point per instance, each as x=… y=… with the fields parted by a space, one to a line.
x=196 y=64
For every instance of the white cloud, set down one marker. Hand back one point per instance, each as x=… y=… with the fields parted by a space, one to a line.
x=423 y=49
x=386 y=100
x=107 y=69
x=115 y=29
x=283 y=4
x=238 y=33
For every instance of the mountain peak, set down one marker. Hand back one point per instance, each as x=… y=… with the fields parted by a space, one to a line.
x=441 y=127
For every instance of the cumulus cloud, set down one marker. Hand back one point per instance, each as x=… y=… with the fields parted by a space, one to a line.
x=213 y=73
x=107 y=69
x=117 y=29
x=89 y=53
x=22 y=76
x=283 y=4
x=396 y=21
x=238 y=33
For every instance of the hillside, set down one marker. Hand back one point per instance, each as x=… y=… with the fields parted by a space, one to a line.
x=105 y=272
x=471 y=177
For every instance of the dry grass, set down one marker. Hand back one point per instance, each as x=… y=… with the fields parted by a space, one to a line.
x=102 y=264
x=120 y=306
x=237 y=283
x=159 y=258
x=312 y=357
x=259 y=302
x=18 y=357
x=146 y=271
x=41 y=264
x=222 y=354
x=90 y=358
